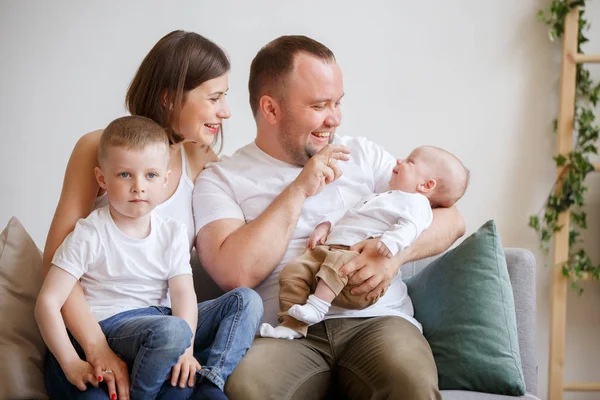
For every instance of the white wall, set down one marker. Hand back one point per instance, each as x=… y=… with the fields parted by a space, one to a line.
x=478 y=78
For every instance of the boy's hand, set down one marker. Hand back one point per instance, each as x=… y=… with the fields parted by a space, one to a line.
x=185 y=369
x=79 y=373
x=319 y=235
x=383 y=250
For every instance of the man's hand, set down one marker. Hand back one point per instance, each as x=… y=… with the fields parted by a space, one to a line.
x=79 y=373
x=383 y=250
x=185 y=369
x=321 y=169
x=370 y=270
x=112 y=369
x=319 y=235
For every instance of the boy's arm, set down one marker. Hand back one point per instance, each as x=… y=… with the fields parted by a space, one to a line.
x=183 y=305
x=183 y=300
x=52 y=297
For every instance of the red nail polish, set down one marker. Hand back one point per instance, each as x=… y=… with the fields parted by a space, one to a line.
x=113 y=396
x=99 y=378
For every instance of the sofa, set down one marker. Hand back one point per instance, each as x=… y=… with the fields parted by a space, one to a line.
x=21 y=358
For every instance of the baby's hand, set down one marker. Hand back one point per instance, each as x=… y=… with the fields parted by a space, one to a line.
x=79 y=373
x=383 y=249
x=185 y=369
x=319 y=236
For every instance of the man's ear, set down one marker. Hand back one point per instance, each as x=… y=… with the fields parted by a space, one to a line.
x=100 y=177
x=167 y=177
x=269 y=108
x=427 y=186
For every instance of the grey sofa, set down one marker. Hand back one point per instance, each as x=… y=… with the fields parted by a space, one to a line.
x=521 y=268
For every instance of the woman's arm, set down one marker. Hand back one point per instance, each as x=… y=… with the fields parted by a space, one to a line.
x=79 y=191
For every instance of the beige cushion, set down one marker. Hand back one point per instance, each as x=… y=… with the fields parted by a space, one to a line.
x=22 y=349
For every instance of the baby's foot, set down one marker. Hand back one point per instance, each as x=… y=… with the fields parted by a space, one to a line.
x=312 y=312
x=280 y=332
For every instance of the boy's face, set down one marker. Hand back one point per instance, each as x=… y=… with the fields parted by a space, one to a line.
x=409 y=173
x=134 y=180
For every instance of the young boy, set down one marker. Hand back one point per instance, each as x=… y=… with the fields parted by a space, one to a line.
x=131 y=262
x=430 y=177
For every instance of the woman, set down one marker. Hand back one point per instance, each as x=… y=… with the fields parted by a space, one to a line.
x=181 y=84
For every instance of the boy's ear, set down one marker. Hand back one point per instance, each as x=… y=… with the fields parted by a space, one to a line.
x=269 y=108
x=167 y=177
x=427 y=186
x=100 y=177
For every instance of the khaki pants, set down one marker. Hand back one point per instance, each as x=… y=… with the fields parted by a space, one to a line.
x=299 y=279
x=349 y=358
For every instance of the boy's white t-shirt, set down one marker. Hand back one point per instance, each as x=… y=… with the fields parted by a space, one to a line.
x=242 y=187
x=396 y=217
x=119 y=273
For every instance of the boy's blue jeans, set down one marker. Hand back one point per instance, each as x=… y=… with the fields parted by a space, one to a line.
x=150 y=341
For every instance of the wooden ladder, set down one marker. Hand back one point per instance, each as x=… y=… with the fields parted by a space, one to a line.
x=566 y=114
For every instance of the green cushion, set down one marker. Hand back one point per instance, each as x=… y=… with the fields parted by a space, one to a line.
x=464 y=301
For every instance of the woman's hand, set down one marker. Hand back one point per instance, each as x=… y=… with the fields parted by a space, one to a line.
x=185 y=369
x=112 y=369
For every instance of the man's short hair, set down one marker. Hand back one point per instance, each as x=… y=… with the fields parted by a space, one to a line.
x=133 y=132
x=275 y=60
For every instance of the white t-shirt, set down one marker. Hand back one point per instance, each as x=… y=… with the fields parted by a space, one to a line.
x=243 y=185
x=395 y=216
x=119 y=273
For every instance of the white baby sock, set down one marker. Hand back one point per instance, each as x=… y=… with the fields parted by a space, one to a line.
x=280 y=332
x=312 y=312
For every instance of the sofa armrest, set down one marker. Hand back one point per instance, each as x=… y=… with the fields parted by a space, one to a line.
x=522 y=272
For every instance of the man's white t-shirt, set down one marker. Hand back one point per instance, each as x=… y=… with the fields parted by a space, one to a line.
x=242 y=187
x=396 y=217
x=119 y=273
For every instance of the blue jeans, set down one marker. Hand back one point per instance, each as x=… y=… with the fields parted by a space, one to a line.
x=150 y=341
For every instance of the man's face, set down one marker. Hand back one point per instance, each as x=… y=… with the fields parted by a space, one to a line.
x=310 y=108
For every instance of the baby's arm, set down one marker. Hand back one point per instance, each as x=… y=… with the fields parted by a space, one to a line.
x=319 y=235
x=55 y=290
x=413 y=218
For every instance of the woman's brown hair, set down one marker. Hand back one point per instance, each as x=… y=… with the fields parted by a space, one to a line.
x=178 y=63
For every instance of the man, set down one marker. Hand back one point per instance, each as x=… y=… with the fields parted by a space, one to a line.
x=256 y=210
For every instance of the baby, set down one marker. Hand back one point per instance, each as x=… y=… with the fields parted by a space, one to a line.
x=430 y=177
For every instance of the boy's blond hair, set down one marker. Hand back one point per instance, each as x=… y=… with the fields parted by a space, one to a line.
x=133 y=132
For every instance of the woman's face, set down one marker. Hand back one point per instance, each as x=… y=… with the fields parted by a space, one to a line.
x=203 y=111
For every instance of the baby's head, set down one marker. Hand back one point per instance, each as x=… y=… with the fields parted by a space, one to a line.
x=433 y=172
x=133 y=158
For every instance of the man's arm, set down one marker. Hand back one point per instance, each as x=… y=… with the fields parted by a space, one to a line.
x=236 y=254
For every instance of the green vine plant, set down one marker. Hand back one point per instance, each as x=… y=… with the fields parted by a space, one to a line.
x=569 y=189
